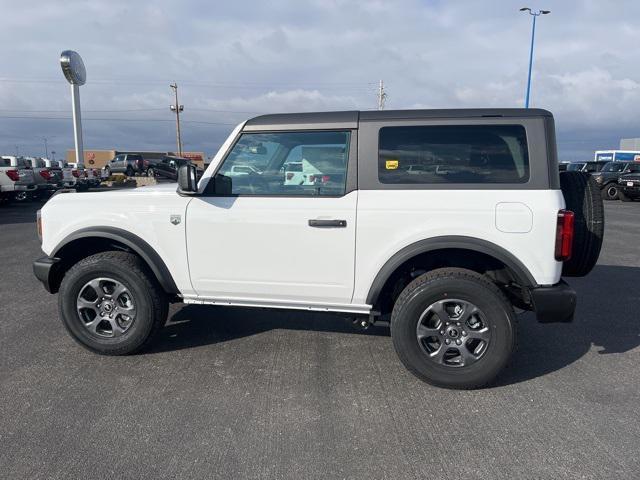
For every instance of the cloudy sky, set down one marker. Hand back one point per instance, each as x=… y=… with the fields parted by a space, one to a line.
x=236 y=59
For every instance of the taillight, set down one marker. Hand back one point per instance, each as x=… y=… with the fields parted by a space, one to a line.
x=46 y=174
x=325 y=178
x=13 y=175
x=564 y=235
x=289 y=176
x=75 y=173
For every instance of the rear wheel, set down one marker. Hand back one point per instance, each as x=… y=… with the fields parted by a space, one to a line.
x=453 y=328
x=110 y=304
x=107 y=172
x=129 y=171
x=21 y=196
x=151 y=172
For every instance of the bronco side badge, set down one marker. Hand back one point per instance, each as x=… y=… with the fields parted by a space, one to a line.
x=175 y=219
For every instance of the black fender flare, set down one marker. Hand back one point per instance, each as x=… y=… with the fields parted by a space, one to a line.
x=134 y=243
x=522 y=274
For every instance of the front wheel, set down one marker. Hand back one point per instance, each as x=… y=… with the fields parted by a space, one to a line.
x=453 y=328
x=151 y=172
x=610 y=192
x=110 y=304
x=129 y=171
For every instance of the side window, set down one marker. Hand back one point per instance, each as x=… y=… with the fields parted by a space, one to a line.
x=307 y=163
x=453 y=154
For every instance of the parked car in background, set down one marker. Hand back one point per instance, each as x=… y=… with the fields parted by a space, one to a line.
x=16 y=179
x=607 y=178
x=79 y=171
x=127 y=163
x=61 y=171
x=43 y=178
x=629 y=183
x=589 y=167
x=169 y=165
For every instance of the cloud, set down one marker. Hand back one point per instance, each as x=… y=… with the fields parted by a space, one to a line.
x=234 y=58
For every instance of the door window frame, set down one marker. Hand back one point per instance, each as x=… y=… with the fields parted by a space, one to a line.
x=351 y=182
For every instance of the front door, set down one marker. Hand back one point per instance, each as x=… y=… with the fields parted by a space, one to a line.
x=271 y=241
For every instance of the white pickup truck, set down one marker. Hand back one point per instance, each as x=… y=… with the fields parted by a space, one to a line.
x=16 y=179
x=446 y=254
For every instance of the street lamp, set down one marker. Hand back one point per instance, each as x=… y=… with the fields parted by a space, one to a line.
x=534 y=14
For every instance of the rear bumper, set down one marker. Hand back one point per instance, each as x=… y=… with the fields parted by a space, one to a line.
x=555 y=303
x=18 y=188
x=44 y=268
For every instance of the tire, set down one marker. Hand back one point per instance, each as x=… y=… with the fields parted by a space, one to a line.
x=107 y=171
x=610 y=191
x=21 y=197
x=151 y=172
x=622 y=196
x=120 y=334
x=582 y=196
x=129 y=172
x=449 y=287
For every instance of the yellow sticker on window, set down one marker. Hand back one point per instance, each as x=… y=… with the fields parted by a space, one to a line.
x=391 y=164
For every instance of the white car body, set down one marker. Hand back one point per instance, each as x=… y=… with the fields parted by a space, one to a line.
x=201 y=239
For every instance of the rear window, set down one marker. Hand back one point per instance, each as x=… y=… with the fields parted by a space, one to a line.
x=293 y=167
x=453 y=154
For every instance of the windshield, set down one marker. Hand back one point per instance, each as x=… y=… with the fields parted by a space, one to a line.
x=614 y=167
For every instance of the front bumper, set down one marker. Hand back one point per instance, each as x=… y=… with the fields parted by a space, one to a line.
x=555 y=303
x=45 y=270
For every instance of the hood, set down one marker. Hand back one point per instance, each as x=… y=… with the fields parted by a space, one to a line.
x=630 y=176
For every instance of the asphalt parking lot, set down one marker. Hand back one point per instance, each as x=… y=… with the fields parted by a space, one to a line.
x=246 y=393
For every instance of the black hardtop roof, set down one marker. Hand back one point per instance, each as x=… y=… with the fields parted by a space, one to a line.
x=352 y=117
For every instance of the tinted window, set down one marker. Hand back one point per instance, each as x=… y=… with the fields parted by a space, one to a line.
x=288 y=163
x=575 y=167
x=453 y=154
x=634 y=167
x=614 y=167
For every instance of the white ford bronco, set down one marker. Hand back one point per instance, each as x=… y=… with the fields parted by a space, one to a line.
x=443 y=223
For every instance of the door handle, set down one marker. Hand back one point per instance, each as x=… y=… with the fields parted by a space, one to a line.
x=327 y=223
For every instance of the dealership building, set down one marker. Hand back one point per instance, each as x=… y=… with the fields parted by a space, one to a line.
x=99 y=158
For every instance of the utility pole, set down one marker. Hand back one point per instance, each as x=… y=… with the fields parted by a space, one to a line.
x=46 y=150
x=382 y=96
x=177 y=108
x=53 y=154
x=17 y=151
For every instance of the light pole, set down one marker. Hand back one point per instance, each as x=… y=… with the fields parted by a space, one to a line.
x=75 y=73
x=534 y=14
x=46 y=150
x=177 y=108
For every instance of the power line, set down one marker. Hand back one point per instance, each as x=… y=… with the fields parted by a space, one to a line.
x=19 y=117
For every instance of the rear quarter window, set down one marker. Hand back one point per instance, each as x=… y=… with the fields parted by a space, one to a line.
x=453 y=154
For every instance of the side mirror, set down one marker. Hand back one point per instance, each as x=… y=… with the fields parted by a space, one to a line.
x=187 y=179
x=222 y=185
